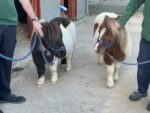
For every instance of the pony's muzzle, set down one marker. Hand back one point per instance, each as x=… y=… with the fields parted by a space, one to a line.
x=61 y=53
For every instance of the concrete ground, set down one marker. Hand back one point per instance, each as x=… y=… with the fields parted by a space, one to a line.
x=82 y=90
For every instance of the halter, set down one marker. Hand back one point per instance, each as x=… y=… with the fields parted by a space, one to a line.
x=104 y=44
x=51 y=49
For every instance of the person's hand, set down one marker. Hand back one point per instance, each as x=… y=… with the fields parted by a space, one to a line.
x=38 y=27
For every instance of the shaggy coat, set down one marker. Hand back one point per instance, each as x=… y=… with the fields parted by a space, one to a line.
x=59 y=39
x=110 y=41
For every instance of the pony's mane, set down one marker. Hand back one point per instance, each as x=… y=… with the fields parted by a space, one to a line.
x=120 y=34
x=52 y=31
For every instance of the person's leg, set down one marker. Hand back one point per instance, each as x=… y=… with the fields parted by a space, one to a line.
x=143 y=74
x=1 y=111
x=7 y=45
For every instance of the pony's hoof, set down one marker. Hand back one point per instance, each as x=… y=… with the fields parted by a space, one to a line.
x=39 y=85
x=110 y=85
x=100 y=63
x=68 y=69
x=116 y=78
x=40 y=81
x=54 y=80
x=62 y=65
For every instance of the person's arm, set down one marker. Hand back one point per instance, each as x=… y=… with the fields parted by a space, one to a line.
x=29 y=10
x=131 y=8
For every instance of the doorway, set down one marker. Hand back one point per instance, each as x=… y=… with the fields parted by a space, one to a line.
x=71 y=6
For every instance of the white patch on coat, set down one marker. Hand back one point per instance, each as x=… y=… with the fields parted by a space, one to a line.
x=99 y=38
x=69 y=37
x=41 y=81
x=110 y=78
x=99 y=19
x=53 y=69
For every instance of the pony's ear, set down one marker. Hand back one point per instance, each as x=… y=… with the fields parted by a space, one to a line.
x=117 y=18
x=95 y=27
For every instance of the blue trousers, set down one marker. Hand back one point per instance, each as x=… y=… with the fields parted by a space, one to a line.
x=143 y=74
x=7 y=46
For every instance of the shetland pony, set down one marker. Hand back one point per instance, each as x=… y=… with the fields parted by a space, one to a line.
x=108 y=41
x=59 y=40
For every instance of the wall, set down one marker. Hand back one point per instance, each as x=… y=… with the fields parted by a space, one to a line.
x=81 y=8
x=50 y=9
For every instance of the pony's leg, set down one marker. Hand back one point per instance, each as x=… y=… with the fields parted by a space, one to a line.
x=53 y=69
x=110 y=72
x=41 y=81
x=40 y=65
x=63 y=62
x=100 y=59
x=116 y=71
x=68 y=66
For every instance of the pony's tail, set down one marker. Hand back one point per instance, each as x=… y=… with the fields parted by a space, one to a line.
x=129 y=43
x=72 y=29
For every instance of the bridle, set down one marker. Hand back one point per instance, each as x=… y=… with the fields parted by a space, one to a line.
x=53 y=50
x=102 y=43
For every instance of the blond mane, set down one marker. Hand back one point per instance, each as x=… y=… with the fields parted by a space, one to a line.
x=121 y=34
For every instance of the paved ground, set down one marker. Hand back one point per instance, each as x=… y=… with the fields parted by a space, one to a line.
x=82 y=90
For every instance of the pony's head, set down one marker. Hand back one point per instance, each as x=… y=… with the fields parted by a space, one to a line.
x=110 y=36
x=53 y=39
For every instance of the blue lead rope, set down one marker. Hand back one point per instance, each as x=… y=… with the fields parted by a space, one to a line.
x=127 y=63
x=29 y=53
x=43 y=55
x=20 y=58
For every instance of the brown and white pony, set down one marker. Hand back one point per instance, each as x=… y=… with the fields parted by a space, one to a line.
x=59 y=40
x=109 y=40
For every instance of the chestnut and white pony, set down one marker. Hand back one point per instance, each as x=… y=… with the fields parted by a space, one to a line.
x=109 y=40
x=59 y=40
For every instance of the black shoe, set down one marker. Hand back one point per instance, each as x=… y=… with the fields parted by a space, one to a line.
x=1 y=111
x=13 y=99
x=136 y=95
x=148 y=106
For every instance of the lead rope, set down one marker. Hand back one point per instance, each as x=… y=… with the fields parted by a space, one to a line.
x=127 y=63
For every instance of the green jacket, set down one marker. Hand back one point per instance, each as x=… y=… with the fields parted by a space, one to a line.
x=8 y=14
x=131 y=8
